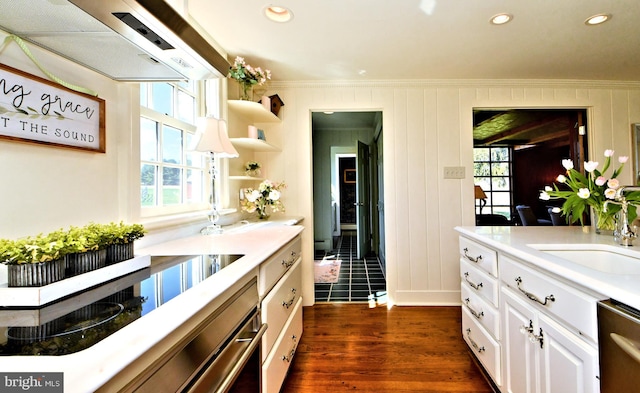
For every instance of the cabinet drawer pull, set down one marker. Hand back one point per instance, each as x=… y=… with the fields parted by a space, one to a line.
x=289 y=303
x=473 y=312
x=473 y=343
x=289 y=356
x=532 y=296
x=288 y=263
x=473 y=285
x=469 y=257
x=537 y=338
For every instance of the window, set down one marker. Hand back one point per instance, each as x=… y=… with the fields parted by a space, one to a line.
x=172 y=178
x=492 y=172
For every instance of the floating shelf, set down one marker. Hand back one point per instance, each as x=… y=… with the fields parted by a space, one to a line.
x=253 y=110
x=254 y=144
x=246 y=178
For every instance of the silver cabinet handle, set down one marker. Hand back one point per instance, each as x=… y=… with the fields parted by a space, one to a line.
x=628 y=346
x=473 y=285
x=289 y=356
x=469 y=257
x=473 y=312
x=532 y=296
x=289 y=303
x=473 y=343
x=288 y=263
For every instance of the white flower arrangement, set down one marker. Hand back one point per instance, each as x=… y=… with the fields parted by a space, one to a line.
x=266 y=195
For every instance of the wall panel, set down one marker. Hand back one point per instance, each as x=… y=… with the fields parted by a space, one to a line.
x=426 y=126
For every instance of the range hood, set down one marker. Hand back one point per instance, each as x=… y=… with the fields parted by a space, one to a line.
x=126 y=40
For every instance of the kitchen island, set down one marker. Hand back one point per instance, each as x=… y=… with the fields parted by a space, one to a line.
x=530 y=302
x=526 y=243
x=124 y=354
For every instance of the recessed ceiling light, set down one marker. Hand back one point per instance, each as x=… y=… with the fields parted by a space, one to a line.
x=501 y=19
x=597 y=19
x=278 y=14
x=328 y=113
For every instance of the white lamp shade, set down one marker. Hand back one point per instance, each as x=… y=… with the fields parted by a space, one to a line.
x=211 y=136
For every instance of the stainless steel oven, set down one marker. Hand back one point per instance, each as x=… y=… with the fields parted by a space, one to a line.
x=619 y=342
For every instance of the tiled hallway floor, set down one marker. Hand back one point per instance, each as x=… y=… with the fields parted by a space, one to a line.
x=358 y=278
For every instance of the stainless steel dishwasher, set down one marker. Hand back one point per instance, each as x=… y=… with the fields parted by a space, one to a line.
x=619 y=342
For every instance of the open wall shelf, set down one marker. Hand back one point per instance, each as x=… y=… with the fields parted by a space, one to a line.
x=253 y=110
x=254 y=144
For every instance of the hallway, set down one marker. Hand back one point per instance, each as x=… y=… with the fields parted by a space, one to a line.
x=358 y=278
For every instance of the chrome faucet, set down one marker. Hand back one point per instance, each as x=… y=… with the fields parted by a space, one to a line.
x=626 y=234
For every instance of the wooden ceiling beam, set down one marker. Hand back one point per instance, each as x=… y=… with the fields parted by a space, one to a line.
x=525 y=128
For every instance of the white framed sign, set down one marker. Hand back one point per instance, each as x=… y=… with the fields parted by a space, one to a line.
x=33 y=109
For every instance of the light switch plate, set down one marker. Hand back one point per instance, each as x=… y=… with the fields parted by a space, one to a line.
x=454 y=172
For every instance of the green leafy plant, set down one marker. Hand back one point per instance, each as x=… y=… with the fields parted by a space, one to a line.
x=121 y=233
x=252 y=166
x=57 y=244
x=32 y=249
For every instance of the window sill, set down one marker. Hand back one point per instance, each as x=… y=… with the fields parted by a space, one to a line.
x=175 y=220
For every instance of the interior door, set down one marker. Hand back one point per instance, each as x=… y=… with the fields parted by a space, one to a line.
x=363 y=200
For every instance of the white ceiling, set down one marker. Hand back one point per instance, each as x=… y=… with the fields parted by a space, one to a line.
x=429 y=39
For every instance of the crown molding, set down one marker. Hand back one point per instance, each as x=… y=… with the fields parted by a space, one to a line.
x=470 y=83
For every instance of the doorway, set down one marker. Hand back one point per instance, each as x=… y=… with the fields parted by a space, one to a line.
x=348 y=214
x=518 y=151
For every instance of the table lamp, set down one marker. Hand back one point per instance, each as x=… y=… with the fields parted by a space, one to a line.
x=479 y=194
x=211 y=137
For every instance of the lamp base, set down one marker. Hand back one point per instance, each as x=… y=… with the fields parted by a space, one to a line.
x=212 y=229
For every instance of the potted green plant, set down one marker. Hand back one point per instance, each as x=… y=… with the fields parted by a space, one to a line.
x=34 y=261
x=121 y=239
x=87 y=248
x=252 y=168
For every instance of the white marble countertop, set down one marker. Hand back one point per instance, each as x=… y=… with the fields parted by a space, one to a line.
x=521 y=242
x=87 y=370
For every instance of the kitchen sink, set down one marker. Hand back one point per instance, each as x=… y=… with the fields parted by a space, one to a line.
x=603 y=258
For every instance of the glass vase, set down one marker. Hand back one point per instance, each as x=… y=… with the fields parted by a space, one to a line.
x=605 y=223
x=246 y=91
x=262 y=214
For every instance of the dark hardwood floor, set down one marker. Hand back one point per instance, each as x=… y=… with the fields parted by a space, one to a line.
x=351 y=347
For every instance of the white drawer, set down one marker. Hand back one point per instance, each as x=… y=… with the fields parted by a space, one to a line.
x=275 y=368
x=484 y=313
x=576 y=309
x=479 y=281
x=278 y=305
x=483 y=346
x=277 y=265
x=481 y=256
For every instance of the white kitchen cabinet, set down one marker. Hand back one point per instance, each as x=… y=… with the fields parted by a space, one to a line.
x=519 y=353
x=480 y=314
x=542 y=356
x=543 y=328
x=568 y=363
x=280 y=290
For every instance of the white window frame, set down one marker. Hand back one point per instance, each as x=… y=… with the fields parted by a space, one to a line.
x=147 y=212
